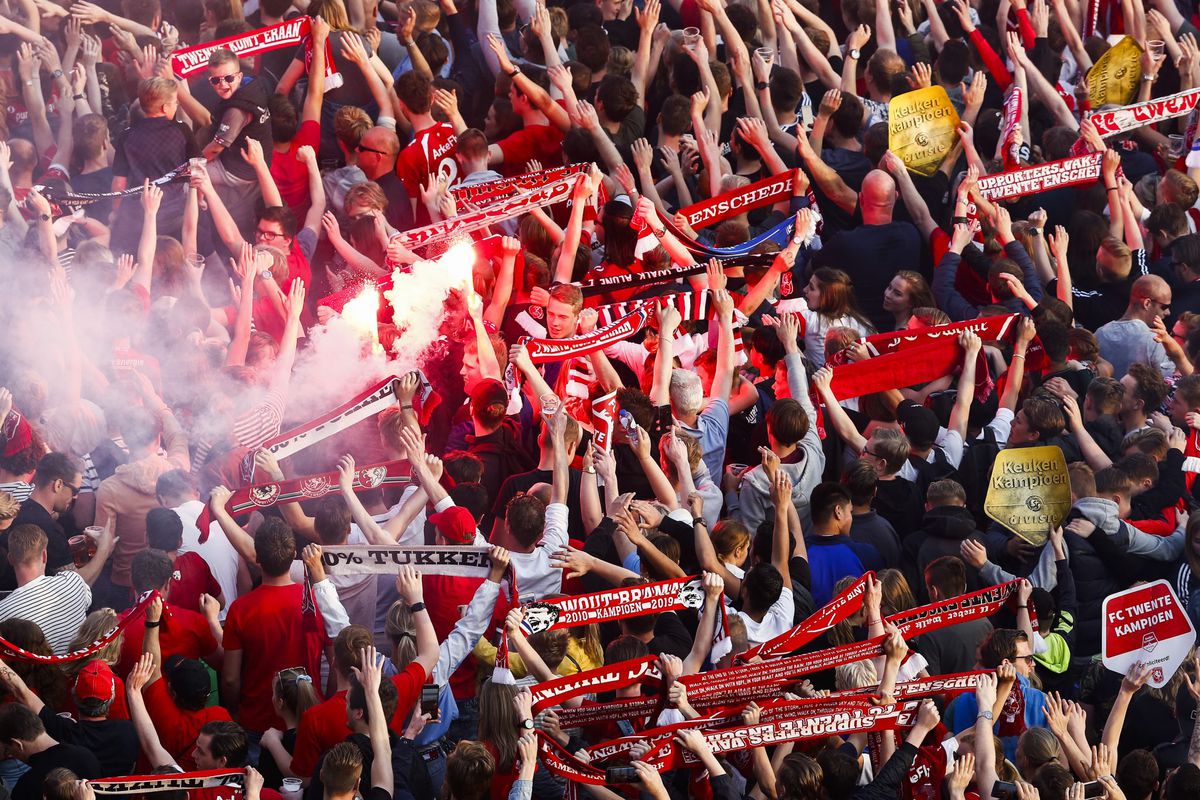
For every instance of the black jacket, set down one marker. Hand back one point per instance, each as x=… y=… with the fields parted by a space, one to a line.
x=942 y=533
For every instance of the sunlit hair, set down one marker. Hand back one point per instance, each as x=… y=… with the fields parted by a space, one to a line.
x=837 y=296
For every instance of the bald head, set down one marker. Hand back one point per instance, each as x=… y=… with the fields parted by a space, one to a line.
x=877 y=197
x=1149 y=297
x=377 y=152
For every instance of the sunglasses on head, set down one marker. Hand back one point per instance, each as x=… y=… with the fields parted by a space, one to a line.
x=217 y=80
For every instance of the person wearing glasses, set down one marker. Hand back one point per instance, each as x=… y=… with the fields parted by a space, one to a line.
x=56 y=483
x=1132 y=338
x=59 y=602
x=241 y=115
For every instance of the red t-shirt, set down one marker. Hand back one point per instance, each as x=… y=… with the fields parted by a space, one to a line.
x=272 y=633
x=454 y=593
x=430 y=152
x=502 y=782
x=543 y=142
x=408 y=690
x=192 y=578
x=290 y=173
x=177 y=728
x=321 y=727
x=183 y=632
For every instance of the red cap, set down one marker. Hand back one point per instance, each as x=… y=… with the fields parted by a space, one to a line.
x=16 y=433
x=95 y=682
x=455 y=524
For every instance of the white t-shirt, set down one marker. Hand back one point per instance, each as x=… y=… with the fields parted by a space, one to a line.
x=535 y=577
x=217 y=552
x=777 y=620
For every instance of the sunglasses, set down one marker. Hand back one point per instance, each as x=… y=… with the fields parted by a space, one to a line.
x=75 y=490
x=217 y=80
x=359 y=148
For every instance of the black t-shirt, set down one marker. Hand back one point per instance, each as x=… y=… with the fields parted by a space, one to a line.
x=77 y=759
x=58 y=552
x=152 y=147
x=114 y=742
x=516 y=484
x=860 y=252
x=241 y=117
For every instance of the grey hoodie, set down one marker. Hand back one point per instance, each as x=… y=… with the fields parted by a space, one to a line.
x=1103 y=514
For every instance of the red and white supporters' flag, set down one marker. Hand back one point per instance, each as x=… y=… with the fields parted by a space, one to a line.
x=188 y=61
x=1146 y=624
x=1138 y=115
x=1051 y=175
x=224 y=784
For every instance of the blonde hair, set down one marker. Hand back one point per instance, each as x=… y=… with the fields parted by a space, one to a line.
x=855 y=675
x=8 y=506
x=94 y=626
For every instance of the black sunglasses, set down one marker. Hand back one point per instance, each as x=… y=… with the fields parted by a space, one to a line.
x=362 y=148
x=217 y=80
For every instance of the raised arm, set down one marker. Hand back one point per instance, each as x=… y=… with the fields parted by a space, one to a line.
x=970 y=344
x=156 y=755
x=835 y=415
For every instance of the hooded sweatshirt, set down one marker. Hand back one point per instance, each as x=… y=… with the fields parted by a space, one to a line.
x=942 y=533
x=129 y=494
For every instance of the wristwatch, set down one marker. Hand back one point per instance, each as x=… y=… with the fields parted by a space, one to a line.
x=854 y=53
x=760 y=85
x=58 y=73
x=515 y=71
x=987 y=714
x=415 y=607
x=526 y=724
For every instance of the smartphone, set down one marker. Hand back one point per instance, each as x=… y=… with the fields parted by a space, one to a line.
x=617 y=775
x=429 y=700
x=629 y=426
x=1093 y=789
x=1004 y=790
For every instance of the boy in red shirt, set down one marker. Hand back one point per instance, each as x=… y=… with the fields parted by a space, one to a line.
x=191 y=577
x=180 y=631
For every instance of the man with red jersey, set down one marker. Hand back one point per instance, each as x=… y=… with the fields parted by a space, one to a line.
x=180 y=631
x=267 y=629
x=431 y=151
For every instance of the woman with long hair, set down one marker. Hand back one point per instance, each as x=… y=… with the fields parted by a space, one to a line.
x=402 y=632
x=908 y=290
x=828 y=302
x=499 y=730
x=47 y=681
x=292 y=693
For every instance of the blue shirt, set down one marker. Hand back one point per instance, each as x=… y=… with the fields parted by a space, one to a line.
x=965 y=709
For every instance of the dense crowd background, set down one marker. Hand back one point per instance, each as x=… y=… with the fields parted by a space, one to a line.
x=155 y=339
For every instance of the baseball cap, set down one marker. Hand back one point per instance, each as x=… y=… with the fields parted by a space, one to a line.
x=488 y=392
x=188 y=680
x=15 y=432
x=455 y=524
x=919 y=423
x=95 y=682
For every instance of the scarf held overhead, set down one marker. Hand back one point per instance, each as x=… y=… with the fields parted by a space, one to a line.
x=311 y=487
x=189 y=61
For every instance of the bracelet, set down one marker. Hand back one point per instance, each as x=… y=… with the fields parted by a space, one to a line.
x=1147 y=77
x=1025 y=607
x=154 y=624
x=875 y=622
x=1018 y=355
x=406 y=405
x=589 y=470
x=1111 y=189
x=960 y=220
